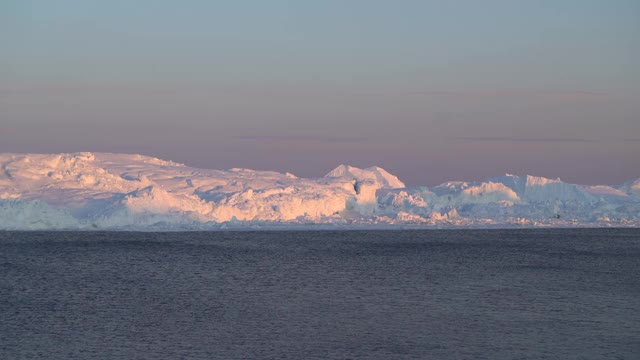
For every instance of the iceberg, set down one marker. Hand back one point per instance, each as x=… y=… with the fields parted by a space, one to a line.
x=89 y=191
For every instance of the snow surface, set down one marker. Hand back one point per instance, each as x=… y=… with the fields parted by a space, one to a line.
x=120 y=191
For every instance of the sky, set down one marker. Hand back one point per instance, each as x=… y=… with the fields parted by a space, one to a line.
x=429 y=90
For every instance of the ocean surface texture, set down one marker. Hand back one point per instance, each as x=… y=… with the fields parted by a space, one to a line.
x=454 y=294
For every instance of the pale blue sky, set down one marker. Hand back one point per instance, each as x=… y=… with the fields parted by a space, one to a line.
x=430 y=90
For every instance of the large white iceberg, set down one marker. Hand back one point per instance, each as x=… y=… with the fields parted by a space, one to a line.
x=120 y=191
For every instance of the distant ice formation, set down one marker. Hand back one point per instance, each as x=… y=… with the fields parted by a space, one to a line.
x=120 y=191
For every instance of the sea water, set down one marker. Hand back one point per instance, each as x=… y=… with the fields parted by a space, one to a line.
x=452 y=294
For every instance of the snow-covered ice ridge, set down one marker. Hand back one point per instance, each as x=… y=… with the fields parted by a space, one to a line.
x=119 y=191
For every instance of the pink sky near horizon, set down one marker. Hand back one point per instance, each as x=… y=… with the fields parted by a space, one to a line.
x=431 y=91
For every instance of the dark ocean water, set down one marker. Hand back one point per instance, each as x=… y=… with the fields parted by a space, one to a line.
x=468 y=294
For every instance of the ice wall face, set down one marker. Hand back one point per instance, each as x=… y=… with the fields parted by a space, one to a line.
x=103 y=190
x=33 y=215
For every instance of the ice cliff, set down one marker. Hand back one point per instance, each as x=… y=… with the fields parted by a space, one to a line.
x=120 y=191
